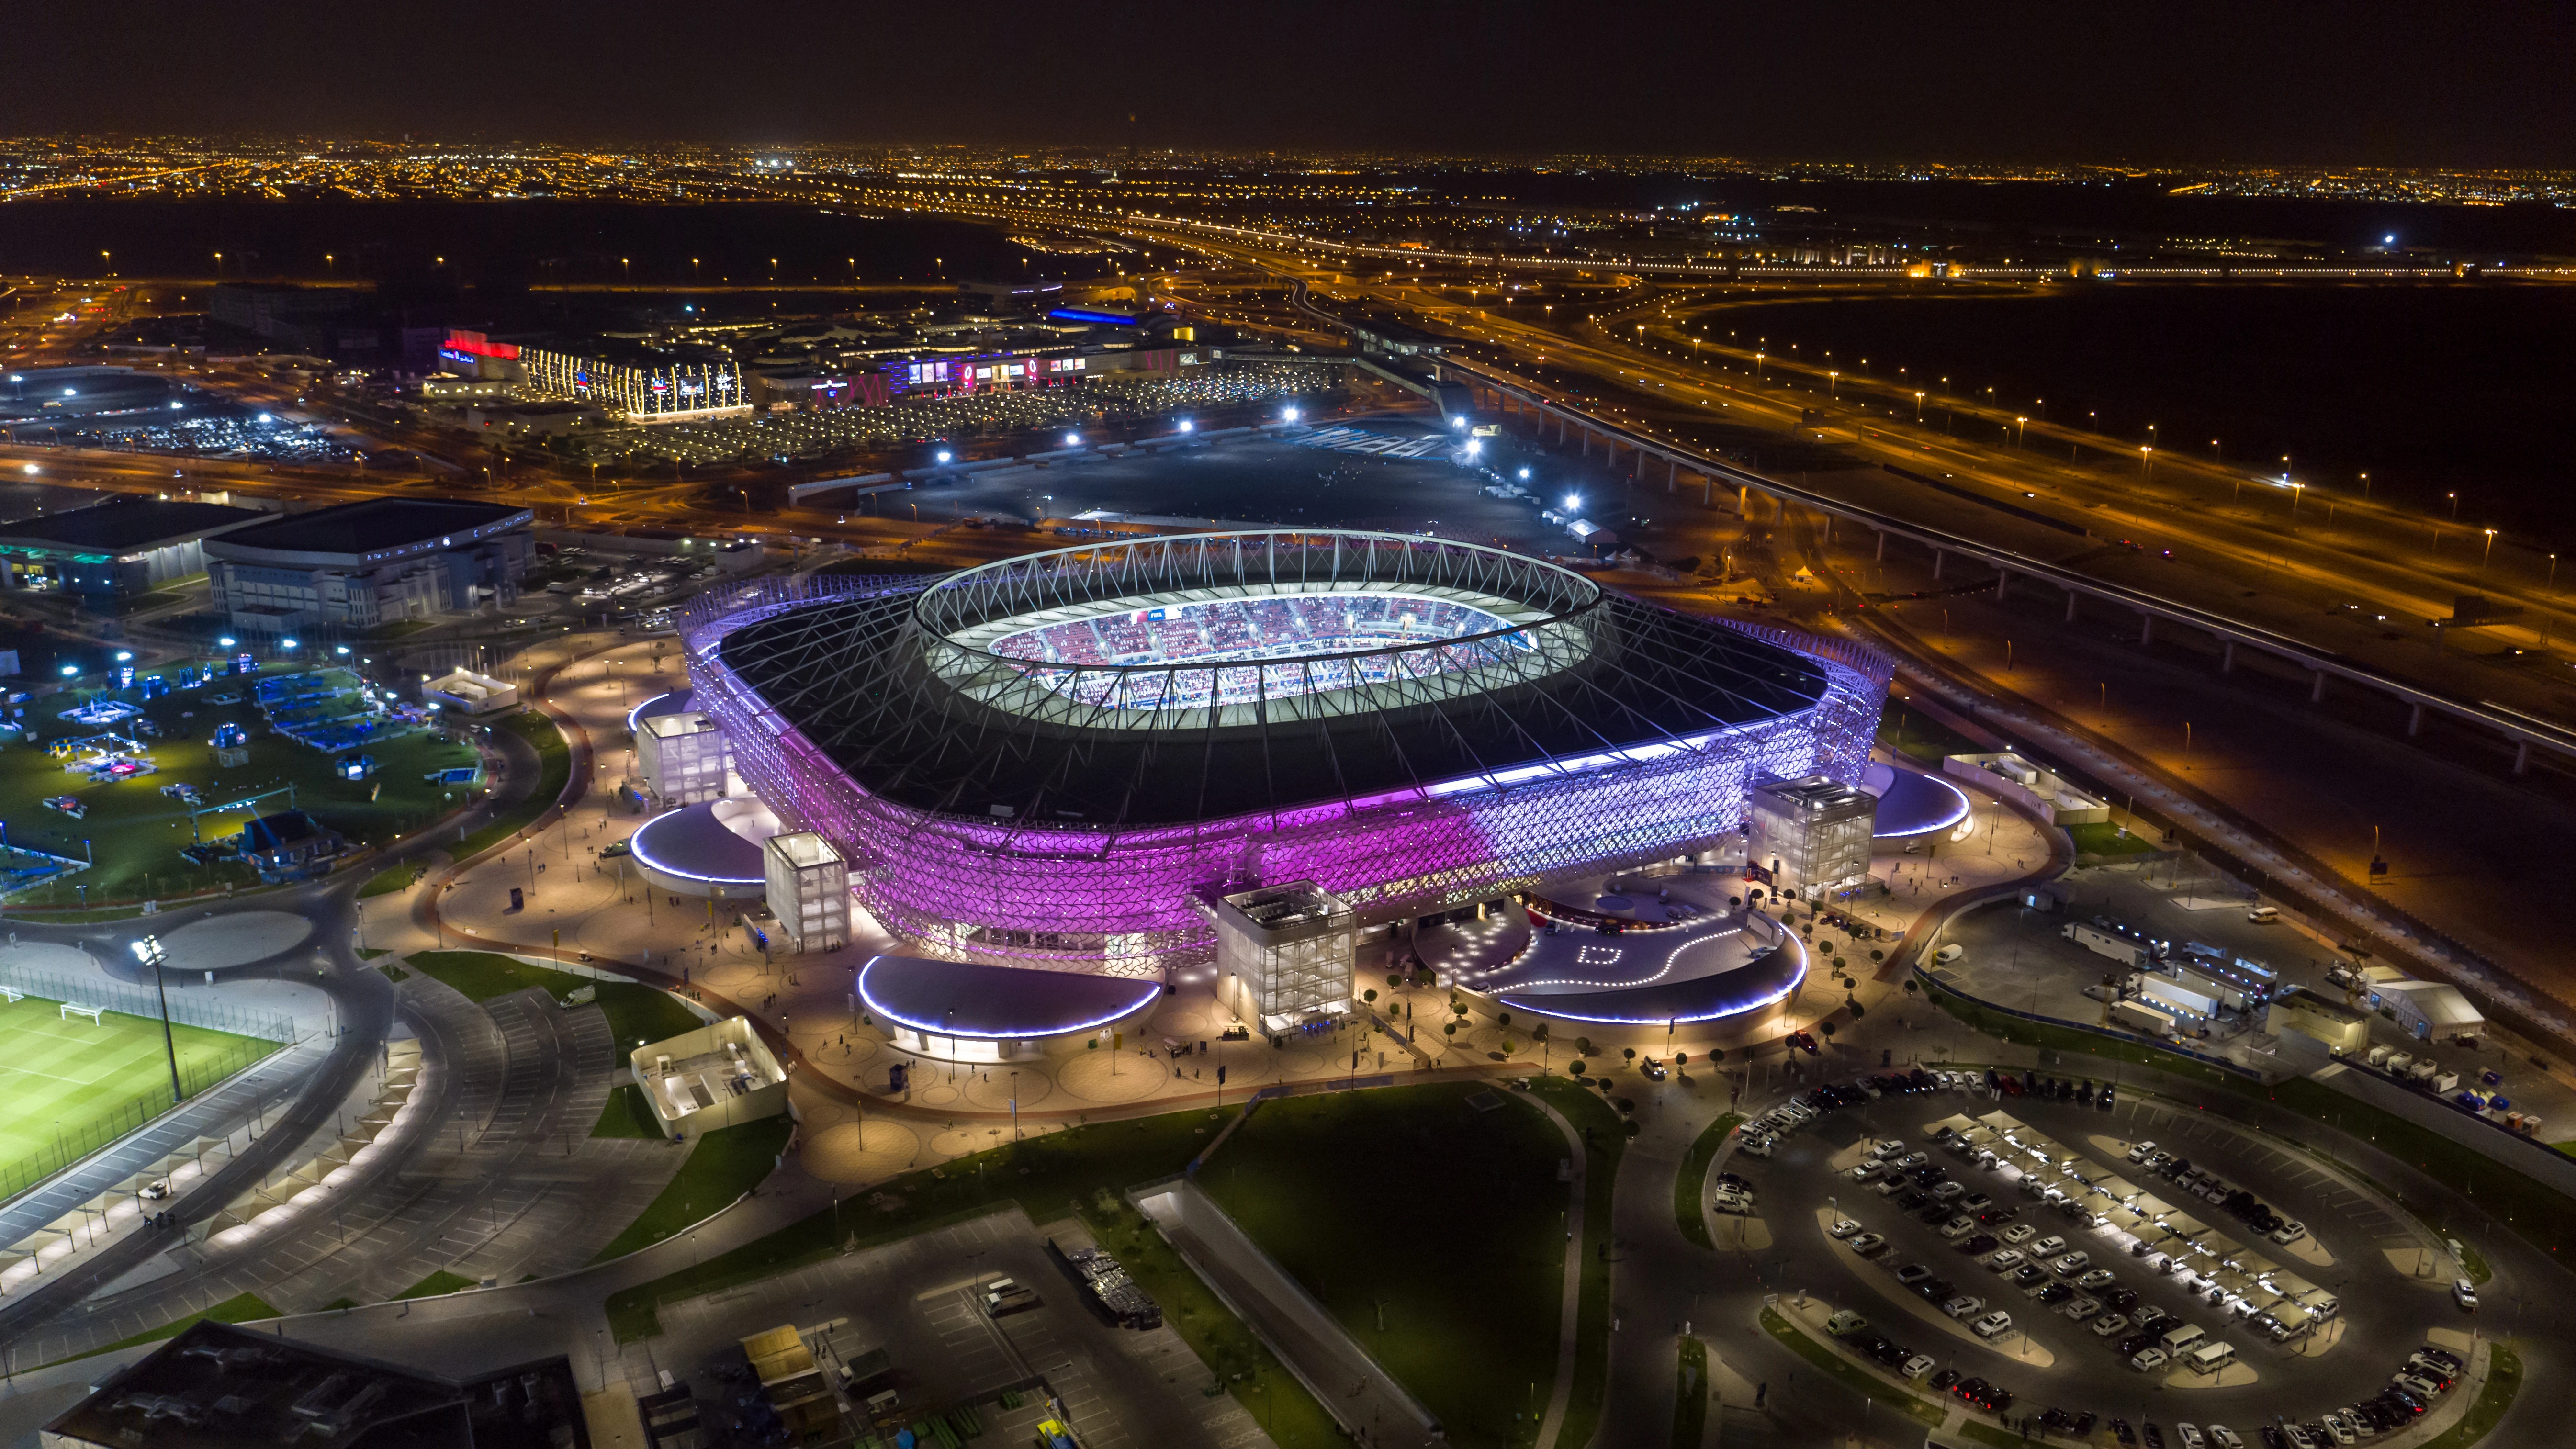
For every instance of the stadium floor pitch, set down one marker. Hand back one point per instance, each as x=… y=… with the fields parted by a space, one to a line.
x=69 y=1087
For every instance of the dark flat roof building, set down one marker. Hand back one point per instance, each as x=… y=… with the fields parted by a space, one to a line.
x=375 y=529
x=113 y=549
x=220 y=1387
x=358 y=566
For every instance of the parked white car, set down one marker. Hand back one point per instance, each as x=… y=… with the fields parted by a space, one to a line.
x=1992 y=1324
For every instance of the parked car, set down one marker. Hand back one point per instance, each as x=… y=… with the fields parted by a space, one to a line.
x=2146 y=1361
x=2098 y=1278
x=1843 y=1228
x=2109 y=1324
x=2465 y=1294
x=2142 y=1151
x=2005 y=1260
x=1916 y=1367
x=1867 y=1244
x=2019 y=1233
x=1994 y=1323
x=1912 y=1273
x=1964 y=1306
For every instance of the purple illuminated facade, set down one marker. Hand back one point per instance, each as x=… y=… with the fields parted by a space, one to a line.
x=1119 y=897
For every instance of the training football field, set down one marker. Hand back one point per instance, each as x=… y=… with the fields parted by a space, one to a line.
x=69 y=1086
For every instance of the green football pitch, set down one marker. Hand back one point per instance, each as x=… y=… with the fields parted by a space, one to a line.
x=69 y=1086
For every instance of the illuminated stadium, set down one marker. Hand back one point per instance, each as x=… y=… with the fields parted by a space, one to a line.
x=1071 y=758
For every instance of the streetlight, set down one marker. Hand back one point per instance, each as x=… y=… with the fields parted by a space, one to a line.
x=2490 y=553
x=148 y=951
x=1918 y=407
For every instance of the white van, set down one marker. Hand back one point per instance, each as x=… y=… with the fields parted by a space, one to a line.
x=2209 y=1358
x=2176 y=1341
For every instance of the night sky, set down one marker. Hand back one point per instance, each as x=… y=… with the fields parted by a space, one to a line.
x=2266 y=82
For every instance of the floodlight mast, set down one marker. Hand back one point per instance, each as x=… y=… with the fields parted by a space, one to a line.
x=148 y=951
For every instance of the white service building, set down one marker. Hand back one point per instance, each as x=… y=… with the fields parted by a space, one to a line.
x=682 y=756
x=809 y=889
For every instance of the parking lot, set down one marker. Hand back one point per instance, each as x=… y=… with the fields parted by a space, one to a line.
x=909 y=1320
x=1934 y=1212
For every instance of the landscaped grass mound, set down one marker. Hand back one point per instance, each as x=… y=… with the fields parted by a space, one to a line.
x=1430 y=1221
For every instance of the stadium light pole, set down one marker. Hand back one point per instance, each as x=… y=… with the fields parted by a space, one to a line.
x=148 y=951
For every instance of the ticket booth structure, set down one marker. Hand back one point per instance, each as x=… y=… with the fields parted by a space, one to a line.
x=720 y=1075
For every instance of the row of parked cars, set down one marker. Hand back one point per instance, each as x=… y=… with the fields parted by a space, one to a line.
x=2217 y=1191
x=2427 y=1374
x=1869 y=1343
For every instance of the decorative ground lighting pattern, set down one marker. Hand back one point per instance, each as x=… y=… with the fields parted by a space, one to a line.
x=1068 y=812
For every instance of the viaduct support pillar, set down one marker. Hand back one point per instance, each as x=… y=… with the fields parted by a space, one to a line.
x=2146 y=630
x=2070 y=606
x=2002 y=582
x=2414 y=720
x=2317 y=688
x=2521 y=756
x=1560 y=428
x=1672 y=474
x=1882 y=546
x=2227 y=657
x=1938 y=559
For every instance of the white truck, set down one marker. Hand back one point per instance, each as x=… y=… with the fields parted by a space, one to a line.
x=2131 y=954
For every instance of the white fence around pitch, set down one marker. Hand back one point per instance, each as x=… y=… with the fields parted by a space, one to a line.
x=95 y=994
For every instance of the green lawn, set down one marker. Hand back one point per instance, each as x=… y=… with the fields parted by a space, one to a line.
x=1859 y=1381
x=1688 y=1214
x=1690 y=1394
x=240 y=1308
x=626 y=1115
x=137 y=831
x=1917 y=735
x=554 y=759
x=72 y=1087
x=1605 y=1140
x=435 y=1284
x=636 y=1013
x=725 y=1164
x=1049 y=1177
x=1471 y=1327
x=389 y=880
x=2106 y=839
x=2504 y=1380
